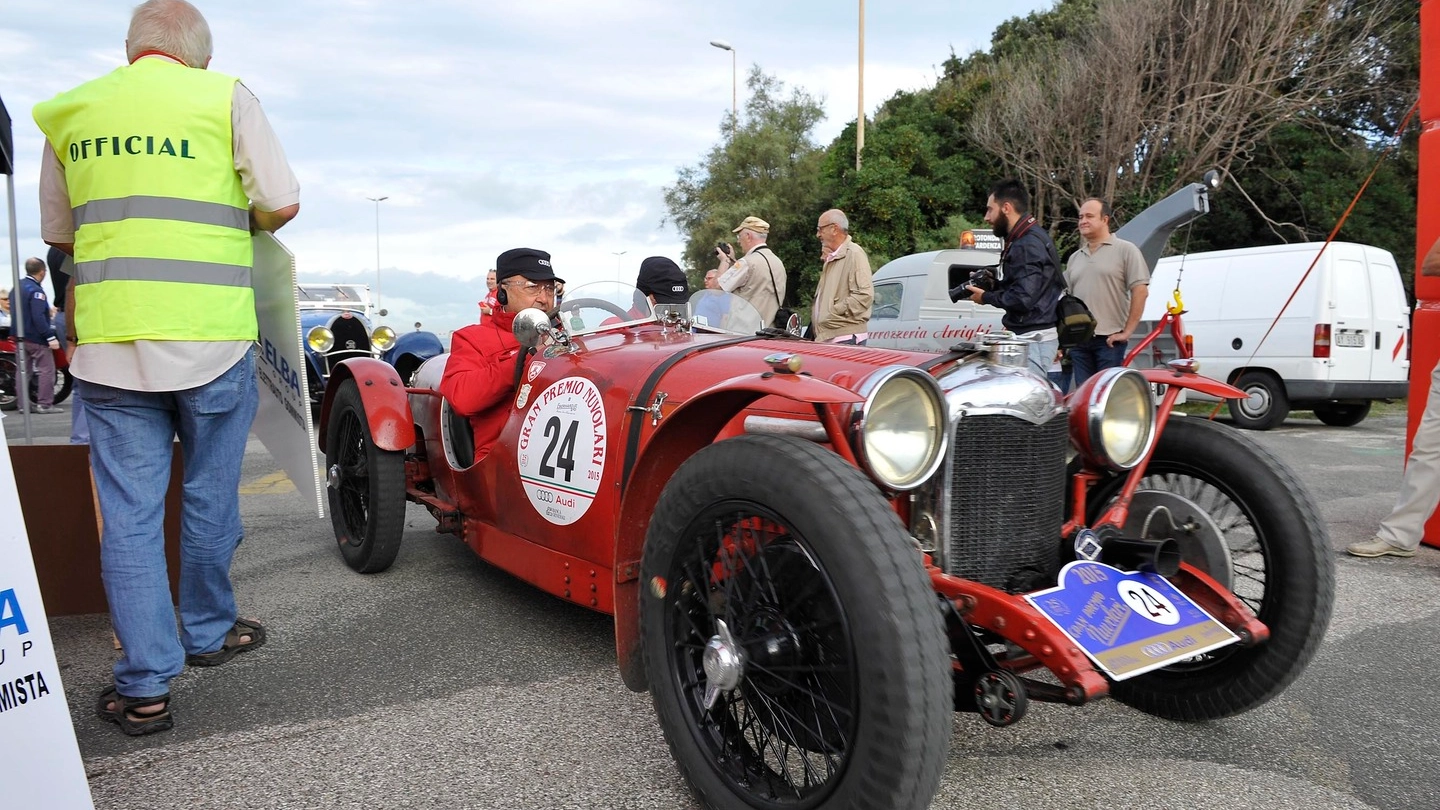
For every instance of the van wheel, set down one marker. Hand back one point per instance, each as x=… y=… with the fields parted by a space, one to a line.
x=1265 y=404
x=1336 y=414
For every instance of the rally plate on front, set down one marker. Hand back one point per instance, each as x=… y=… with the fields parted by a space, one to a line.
x=1128 y=623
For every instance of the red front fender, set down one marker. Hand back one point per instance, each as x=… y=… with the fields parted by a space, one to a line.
x=1194 y=382
x=386 y=407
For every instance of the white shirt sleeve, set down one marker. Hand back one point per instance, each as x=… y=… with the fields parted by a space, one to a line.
x=259 y=158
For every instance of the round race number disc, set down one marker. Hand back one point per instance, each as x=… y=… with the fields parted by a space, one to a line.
x=562 y=450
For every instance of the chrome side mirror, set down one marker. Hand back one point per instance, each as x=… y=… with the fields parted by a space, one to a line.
x=531 y=328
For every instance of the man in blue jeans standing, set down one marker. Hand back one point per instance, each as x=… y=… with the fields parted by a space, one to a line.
x=154 y=177
x=1110 y=275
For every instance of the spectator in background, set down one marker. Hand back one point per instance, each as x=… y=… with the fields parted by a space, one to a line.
x=489 y=305
x=60 y=267
x=1031 y=285
x=1402 y=530
x=845 y=293
x=37 y=350
x=712 y=305
x=1110 y=275
x=758 y=275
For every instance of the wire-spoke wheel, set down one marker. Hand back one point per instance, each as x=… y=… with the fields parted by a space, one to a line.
x=366 y=486
x=793 y=647
x=1244 y=518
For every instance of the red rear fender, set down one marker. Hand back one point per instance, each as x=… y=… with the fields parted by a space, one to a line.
x=386 y=407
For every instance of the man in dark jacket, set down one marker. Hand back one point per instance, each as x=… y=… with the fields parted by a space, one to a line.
x=30 y=308
x=1031 y=283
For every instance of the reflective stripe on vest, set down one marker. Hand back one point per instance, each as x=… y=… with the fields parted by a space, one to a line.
x=140 y=207
x=162 y=224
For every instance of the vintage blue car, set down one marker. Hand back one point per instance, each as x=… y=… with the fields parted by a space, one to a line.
x=336 y=322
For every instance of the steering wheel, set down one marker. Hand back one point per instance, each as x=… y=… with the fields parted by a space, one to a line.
x=574 y=306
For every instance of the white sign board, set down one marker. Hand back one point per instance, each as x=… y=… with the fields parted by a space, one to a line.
x=40 y=762
x=283 y=424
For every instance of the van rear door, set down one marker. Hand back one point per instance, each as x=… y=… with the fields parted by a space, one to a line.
x=1351 y=319
x=1390 y=355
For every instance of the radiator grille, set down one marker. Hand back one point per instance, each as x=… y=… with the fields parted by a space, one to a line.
x=351 y=340
x=1007 y=501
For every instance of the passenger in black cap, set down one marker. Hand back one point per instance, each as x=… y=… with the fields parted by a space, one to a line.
x=480 y=376
x=662 y=281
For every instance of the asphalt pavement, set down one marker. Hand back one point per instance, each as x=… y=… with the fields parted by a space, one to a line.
x=445 y=683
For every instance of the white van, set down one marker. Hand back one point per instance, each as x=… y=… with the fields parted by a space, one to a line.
x=1343 y=341
x=912 y=308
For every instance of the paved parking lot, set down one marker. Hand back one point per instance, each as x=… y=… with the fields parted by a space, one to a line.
x=445 y=683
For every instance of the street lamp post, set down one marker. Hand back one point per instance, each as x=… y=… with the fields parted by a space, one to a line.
x=377 y=201
x=619 y=273
x=860 y=116
x=734 y=84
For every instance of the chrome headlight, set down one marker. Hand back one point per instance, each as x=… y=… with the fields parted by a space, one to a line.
x=1112 y=418
x=320 y=339
x=900 y=431
x=382 y=338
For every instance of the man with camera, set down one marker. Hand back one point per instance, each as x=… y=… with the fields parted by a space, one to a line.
x=1030 y=282
x=759 y=275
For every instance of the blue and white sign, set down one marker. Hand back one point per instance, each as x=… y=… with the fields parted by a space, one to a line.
x=1128 y=623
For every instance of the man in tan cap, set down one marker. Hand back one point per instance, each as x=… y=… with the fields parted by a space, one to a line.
x=759 y=275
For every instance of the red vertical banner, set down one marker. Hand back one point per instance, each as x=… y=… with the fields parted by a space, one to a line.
x=1425 y=326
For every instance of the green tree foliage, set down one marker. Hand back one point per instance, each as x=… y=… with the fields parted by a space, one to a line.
x=769 y=169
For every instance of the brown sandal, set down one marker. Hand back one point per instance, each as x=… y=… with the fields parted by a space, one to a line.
x=235 y=642
x=127 y=712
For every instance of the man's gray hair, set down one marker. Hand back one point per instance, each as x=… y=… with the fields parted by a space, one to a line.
x=173 y=27
x=34 y=266
x=841 y=221
x=760 y=237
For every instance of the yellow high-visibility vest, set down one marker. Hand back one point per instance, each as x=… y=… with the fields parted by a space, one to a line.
x=162 y=223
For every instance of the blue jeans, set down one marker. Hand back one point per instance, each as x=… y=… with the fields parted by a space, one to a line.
x=130 y=449
x=1041 y=355
x=1092 y=356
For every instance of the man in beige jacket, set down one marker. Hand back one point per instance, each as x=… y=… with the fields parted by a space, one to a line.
x=845 y=293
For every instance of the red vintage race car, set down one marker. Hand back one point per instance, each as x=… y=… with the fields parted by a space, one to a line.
x=815 y=553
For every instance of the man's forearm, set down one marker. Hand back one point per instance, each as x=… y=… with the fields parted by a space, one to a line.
x=272 y=220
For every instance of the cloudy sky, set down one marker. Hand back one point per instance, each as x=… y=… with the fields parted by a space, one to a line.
x=543 y=123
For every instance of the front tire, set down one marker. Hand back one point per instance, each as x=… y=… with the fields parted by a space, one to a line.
x=1336 y=414
x=776 y=553
x=366 y=486
x=1265 y=405
x=1278 y=559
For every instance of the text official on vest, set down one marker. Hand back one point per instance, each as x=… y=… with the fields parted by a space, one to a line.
x=81 y=150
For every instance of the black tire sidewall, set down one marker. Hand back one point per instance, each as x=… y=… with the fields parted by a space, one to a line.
x=897 y=637
x=380 y=543
x=1300 y=581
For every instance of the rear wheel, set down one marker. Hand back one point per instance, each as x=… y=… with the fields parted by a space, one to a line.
x=1265 y=405
x=1247 y=521
x=366 y=486
x=1336 y=414
x=8 y=376
x=794 y=649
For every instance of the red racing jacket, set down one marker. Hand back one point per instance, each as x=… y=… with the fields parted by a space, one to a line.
x=479 y=379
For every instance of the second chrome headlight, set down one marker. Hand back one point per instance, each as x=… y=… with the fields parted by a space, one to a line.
x=901 y=431
x=382 y=338
x=1113 y=418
